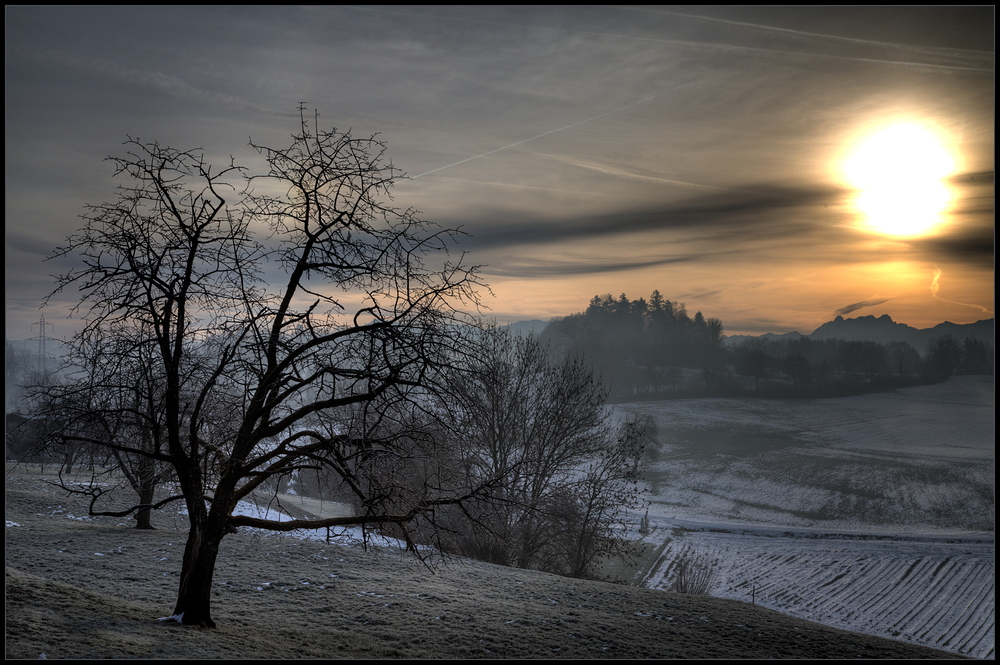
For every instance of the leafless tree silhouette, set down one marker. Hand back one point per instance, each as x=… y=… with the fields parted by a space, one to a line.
x=568 y=472
x=291 y=319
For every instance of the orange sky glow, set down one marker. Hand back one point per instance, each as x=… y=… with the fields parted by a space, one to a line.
x=769 y=167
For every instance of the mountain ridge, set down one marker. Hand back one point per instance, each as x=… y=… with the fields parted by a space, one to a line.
x=884 y=330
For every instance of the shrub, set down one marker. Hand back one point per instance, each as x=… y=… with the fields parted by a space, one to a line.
x=695 y=573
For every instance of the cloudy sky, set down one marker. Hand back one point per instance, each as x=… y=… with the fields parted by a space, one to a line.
x=698 y=151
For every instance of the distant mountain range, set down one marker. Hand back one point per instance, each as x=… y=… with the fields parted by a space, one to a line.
x=523 y=327
x=883 y=329
x=880 y=329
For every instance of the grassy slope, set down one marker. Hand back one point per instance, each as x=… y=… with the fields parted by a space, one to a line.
x=89 y=589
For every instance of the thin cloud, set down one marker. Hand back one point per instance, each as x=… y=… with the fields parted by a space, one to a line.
x=559 y=129
x=979 y=55
x=769 y=217
x=974 y=246
x=623 y=173
x=976 y=67
x=699 y=295
x=540 y=268
x=971 y=240
x=939 y=59
x=860 y=305
x=159 y=81
x=744 y=214
x=512 y=185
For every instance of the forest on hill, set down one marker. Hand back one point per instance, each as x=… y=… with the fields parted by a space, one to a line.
x=653 y=349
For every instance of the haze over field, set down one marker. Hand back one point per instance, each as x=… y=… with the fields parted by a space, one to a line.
x=716 y=154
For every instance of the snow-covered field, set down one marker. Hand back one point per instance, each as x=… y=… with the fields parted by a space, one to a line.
x=872 y=513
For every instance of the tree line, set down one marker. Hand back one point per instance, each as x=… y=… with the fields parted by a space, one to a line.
x=651 y=348
x=638 y=345
x=820 y=368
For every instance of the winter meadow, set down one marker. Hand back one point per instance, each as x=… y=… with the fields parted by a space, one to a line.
x=500 y=332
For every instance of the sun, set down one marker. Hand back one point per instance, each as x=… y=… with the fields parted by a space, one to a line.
x=899 y=174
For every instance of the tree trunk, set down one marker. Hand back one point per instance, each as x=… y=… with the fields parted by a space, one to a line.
x=143 y=478
x=194 y=595
x=142 y=518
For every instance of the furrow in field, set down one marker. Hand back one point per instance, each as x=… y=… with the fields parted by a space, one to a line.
x=899 y=594
x=868 y=584
x=880 y=469
x=951 y=582
x=916 y=592
x=978 y=615
x=941 y=620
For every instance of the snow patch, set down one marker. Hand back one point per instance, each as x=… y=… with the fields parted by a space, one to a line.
x=350 y=536
x=176 y=618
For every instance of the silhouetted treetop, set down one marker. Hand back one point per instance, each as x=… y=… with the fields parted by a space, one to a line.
x=616 y=334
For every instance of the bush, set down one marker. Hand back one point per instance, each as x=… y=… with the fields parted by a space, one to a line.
x=695 y=573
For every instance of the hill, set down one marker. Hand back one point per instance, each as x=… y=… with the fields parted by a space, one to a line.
x=80 y=587
x=883 y=329
x=534 y=326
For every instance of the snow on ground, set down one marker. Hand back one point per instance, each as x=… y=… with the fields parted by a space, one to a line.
x=898 y=462
x=872 y=513
x=937 y=593
x=352 y=536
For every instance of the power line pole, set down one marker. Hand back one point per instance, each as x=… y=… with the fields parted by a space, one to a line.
x=41 y=343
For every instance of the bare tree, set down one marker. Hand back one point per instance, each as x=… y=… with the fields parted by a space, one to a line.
x=259 y=381
x=112 y=407
x=567 y=471
x=694 y=573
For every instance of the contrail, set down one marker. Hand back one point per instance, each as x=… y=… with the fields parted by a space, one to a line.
x=166 y=84
x=553 y=131
x=621 y=173
x=933 y=50
x=936 y=286
x=744 y=49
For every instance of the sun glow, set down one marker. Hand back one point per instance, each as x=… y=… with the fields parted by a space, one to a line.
x=899 y=173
